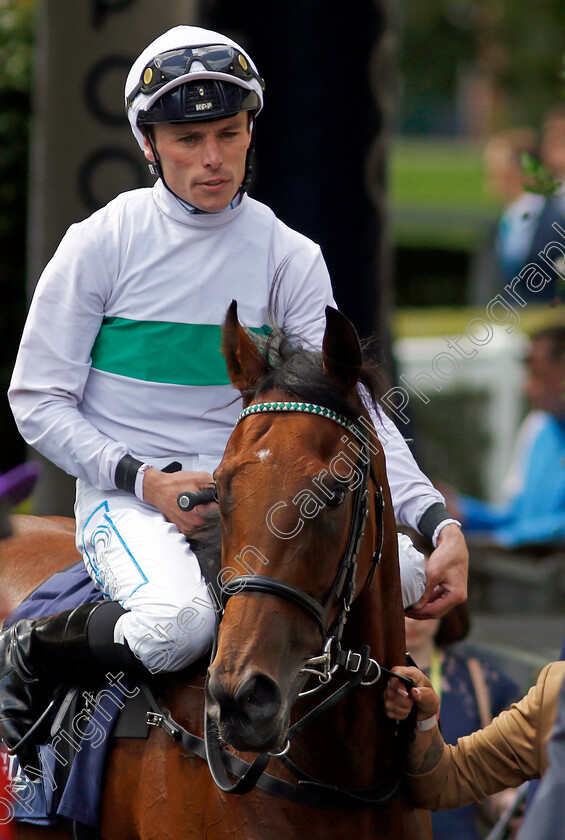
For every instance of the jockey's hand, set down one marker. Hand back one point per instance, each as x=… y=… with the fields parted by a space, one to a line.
x=446 y=575
x=398 y=701
x=162 y=489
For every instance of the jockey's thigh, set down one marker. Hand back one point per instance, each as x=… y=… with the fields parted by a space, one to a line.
x=137 y=558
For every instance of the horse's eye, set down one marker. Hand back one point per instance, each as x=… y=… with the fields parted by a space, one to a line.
x=337 y=497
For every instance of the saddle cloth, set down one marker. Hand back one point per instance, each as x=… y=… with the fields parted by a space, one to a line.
x=71 y=782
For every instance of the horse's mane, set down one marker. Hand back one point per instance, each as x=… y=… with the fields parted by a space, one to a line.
x=299 y=372
x=206 y=542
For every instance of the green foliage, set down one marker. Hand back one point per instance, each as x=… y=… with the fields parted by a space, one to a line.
x=16 y=44
x=445 y=44
x=539 y=179
x=433 y=45
x=531 y=35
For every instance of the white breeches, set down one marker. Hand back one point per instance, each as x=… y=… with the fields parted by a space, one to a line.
x=412 y=571
x=137 y=558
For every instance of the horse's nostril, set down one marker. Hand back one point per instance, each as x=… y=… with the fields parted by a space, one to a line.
x=259 y=697
x=216 y=693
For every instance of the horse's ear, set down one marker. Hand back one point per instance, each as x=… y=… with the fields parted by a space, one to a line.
x=341 y=349
x=246 y=366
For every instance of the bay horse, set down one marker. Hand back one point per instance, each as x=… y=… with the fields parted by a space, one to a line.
x=305 y=509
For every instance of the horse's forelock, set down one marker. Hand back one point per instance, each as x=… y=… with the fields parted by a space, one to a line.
x=299 y=372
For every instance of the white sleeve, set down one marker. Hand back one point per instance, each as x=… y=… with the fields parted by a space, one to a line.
x=412 y=492
x=53 y=362
x=303 y=294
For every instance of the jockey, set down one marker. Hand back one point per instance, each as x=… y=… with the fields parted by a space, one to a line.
x=119 y=373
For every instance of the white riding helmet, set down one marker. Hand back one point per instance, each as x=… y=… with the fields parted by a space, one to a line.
x=160 y=86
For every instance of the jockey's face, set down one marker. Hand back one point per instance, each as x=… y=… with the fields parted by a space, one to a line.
x=545 y=379
x=203 y=162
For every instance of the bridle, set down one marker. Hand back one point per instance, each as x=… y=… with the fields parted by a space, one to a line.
x=344 y=585
x=360 y=668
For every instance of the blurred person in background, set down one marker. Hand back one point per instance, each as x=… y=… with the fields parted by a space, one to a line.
x=534 y=513
x=520 y=217
x=471 y=693
x=524 y=226
x=552 y=158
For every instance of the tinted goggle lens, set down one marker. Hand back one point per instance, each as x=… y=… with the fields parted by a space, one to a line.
x=215 y=58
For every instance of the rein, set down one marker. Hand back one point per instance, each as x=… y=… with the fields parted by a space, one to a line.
x=308 y=791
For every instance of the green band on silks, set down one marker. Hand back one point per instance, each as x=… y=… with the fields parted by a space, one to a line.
x=162 y=351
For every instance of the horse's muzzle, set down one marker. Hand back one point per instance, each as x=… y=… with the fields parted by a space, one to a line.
x=248 y=714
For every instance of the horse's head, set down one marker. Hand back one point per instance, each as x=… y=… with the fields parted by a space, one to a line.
x=287 y=487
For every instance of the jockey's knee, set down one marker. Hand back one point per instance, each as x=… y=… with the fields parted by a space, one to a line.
x=171 y=642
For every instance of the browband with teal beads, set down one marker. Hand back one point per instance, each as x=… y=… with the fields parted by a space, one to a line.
x=306 y=408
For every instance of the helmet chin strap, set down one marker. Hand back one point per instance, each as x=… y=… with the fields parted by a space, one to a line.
x=248 y=162
x=155 y=165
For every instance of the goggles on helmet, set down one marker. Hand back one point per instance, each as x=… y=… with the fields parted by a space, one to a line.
x=216 y=58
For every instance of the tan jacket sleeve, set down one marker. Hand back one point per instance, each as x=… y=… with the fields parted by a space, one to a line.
x=511 y=750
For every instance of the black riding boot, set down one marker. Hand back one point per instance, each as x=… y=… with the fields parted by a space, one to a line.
x=38 y=655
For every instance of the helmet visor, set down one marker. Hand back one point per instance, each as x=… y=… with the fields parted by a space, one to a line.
x=200 y=100
x=216 y=58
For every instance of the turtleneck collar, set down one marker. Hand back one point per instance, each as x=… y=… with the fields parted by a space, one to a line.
x=190 y=208
x=183 y=212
